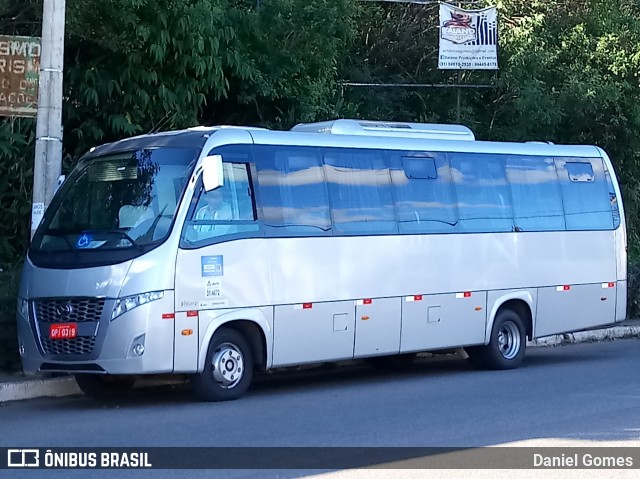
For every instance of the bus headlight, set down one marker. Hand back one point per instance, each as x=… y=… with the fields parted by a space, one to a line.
x=23 y=308
x=130 y=302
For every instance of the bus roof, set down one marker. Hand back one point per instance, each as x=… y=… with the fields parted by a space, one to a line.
x=430 y=131
x=349 y=133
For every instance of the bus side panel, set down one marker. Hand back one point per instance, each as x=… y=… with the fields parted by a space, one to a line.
x=443 y=320
x=186 y=343
x=568 y=308
x=312 y=332
x=233 y=274
x=621 y=301
x=620 y=240
x=377 y=327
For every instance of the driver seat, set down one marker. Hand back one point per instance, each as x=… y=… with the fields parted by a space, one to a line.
x=131 y=216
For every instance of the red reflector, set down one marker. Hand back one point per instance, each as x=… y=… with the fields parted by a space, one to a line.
x=417 y=297
x=566 y=287
x=307 y=305
x=612 y=285
x=467 y=294
x=191 y=314
x=168 y=316
x=366 y=301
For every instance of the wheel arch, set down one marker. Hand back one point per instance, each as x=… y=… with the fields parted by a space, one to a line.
x=522 y=302
x=254 y=326
x=255 y=336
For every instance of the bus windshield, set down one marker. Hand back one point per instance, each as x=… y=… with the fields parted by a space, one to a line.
x=121 y=201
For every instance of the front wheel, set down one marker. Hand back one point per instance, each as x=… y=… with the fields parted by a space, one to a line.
x=507 y=344
x=228 y=371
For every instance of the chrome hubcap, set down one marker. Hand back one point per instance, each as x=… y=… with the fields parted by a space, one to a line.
x=228 y=365
x=509 y=340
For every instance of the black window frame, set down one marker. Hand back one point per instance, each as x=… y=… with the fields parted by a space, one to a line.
x=199 y=191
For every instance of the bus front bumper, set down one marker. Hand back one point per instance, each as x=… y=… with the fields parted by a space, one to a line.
x=139 y=341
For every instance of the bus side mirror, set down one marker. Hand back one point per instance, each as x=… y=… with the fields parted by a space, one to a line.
x=212 y=174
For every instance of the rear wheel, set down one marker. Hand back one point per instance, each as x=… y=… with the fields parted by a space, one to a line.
x=105 y=386
x=507 y=344
x=228 y=370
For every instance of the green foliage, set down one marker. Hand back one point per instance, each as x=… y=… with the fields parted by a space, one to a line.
x=133 y=66
x=398 y=44
x=16 y=179
x=568 y=73
x=160 y=64
x=9 y=359
x=146 y=64
x=571 y=76
x=633 y=289
x=20 y=17
x=294 y=49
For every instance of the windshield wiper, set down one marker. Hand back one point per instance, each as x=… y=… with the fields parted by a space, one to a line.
x=149 y=233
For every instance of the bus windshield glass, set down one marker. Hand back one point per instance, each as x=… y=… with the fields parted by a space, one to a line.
x=121 y=201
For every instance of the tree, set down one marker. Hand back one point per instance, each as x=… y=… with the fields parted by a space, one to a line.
x=570 y=75
x=134 y=66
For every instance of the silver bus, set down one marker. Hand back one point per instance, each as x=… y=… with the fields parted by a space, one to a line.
x=217 y=252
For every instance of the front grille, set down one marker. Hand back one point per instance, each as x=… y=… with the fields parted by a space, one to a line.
x=69 y=310
x=79 y=345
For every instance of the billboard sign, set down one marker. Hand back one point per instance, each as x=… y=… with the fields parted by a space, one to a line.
x=19 y=72
x=468 y=38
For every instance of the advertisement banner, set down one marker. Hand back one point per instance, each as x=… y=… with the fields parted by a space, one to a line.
x=19 y=72
x=468 y=38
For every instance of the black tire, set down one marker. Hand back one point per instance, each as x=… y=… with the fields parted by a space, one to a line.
x=507 y=344
x=475 y=356
x=228 y=370
x=105 y=386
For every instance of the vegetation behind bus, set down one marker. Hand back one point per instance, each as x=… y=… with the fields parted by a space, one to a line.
x=568 y=75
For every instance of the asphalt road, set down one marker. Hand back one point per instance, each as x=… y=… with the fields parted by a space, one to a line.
x=585 y=394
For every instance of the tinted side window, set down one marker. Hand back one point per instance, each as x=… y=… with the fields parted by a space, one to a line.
x=225 y=211
x=424 y=197
x=580 y=172
x=359 y=191
x=537 y=202
x=292 y=190
x=420 y=166
x=585 y=193
x=613 y=200
x=484 y=199
x=228 y=211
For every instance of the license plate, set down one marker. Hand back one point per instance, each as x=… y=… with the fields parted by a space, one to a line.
x=63 y=331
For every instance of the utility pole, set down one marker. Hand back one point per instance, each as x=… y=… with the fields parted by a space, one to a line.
x=48 y=158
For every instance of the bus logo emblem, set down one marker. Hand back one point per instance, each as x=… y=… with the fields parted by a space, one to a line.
x=64 y=310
